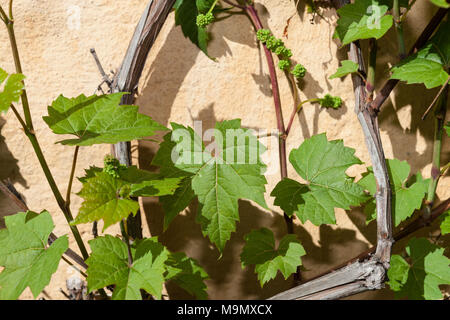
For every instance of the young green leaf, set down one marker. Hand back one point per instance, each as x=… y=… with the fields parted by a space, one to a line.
x=98 y=119
x=108 y=265
x=174 y=204
x=447 y=128
x=322 y=164
x=445 y=223
x=420 y=278
x=398 y=272
x=259 y=250
x=188 y=274
x=405 y=197
x=441 y=3
x=429 y=64
x=219 y=181
x=27 y=259
x=363 y=19
x=12 y=90
x=224 y=179
x=186 y=12
x=347 y=67
x=108 y=197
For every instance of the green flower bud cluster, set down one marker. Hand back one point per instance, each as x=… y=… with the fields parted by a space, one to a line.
x=328 y=101
x=112 y=166
x=263 y=35
x=284 y=64
x=205 y=19
x=284 y=54
x=299 y=71
x=274 y=43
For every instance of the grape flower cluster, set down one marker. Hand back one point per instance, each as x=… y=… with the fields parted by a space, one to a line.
x=205 y=19
x=284 y=54
x=328 y=101
x=112 y=166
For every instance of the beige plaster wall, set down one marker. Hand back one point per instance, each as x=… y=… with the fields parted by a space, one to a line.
x=181 y=84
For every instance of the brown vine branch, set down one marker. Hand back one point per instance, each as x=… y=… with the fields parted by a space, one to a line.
x=347 y=276
x=127 y=79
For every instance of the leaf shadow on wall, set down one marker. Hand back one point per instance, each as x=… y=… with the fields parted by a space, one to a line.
x=309 y=86
x=9 y=170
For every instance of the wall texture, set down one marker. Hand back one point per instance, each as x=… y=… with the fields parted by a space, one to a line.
x=181 y=84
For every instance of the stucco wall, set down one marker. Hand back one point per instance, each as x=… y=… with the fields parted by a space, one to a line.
x=181 y=84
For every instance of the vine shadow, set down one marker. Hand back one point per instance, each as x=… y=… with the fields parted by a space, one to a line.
x=9 y=170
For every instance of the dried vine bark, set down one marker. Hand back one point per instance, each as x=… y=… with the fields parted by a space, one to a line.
x=368 y=272
x=127 y=78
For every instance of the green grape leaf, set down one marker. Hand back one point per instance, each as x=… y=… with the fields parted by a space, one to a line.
x=107 y=197
x=445 y=223
x=98 y=119
x=12 y=89
x=89 y=173
x=186 y=12
x=447 y=128
x=441 y=3
x=398 y=272
x=346 y=68
x=108 y=265
x=363 y=19
x=183 y=196
x=429 y=64
x=259 y=250
x=419 y=277
x=219 y=181
x=188 y=274
x=174 y=204
x=322 y=164
x=406 y=197
x=27 y=259
x=222 y=180
x=288 y=195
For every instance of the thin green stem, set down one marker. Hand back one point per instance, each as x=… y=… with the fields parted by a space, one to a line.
x=126 y=239
x=213 y=6
x=294 y=90
x=399 y=29
x=15 y=51
x=296 y=111
x=72 y=174
x=18 y=116
x=370 y=81
x=3 y=16
x=445 y=168
x=439 y=121
x=11 y=10
x=29 y=131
